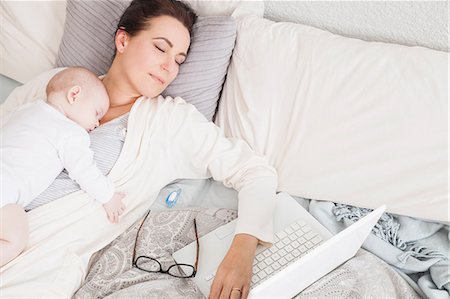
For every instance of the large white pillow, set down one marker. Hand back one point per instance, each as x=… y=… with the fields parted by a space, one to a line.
x=356 y=122
x=30 y=35
x=31 y=32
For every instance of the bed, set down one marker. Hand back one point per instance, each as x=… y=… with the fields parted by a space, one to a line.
x=339 y=122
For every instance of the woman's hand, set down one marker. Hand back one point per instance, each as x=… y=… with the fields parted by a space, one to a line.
x=235 y=271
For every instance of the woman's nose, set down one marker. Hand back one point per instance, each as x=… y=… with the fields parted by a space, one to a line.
x=168 y=66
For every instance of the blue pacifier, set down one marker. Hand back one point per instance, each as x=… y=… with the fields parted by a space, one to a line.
x=172 y=198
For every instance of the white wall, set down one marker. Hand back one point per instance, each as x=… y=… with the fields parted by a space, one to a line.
x=422 y=23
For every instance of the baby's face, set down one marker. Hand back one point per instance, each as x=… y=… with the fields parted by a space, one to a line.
x=90 y=108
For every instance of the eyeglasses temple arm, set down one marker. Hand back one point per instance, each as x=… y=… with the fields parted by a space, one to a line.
x=198 y=244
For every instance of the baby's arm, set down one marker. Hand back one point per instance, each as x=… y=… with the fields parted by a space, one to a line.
x=78 y=159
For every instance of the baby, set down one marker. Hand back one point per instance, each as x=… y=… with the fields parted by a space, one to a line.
x=39 y=140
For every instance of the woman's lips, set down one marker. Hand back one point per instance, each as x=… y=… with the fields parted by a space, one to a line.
x=157 y=79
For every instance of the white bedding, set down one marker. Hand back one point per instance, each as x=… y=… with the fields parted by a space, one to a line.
x=66 y=232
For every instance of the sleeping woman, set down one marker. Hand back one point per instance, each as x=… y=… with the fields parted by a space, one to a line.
x=152 y=41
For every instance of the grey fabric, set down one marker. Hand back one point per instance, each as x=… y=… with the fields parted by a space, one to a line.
x=417 y=249
x=88 y=40
x=201 y=77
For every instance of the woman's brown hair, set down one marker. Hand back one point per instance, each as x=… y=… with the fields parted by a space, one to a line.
x=136 y=17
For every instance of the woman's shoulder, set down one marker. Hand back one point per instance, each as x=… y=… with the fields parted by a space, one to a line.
x=173 y=109
x=178 y=105
x=167 y=104
x=171 y=100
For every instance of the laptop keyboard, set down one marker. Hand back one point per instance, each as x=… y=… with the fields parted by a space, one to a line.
x=289 y=245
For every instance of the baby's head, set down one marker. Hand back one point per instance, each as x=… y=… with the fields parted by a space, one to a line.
x=80 y=95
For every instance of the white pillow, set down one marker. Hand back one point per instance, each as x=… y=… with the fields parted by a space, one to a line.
x=361 y=123
x=226 y=8
x=30 y=35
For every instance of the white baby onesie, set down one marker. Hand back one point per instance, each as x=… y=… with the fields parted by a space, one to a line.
x=36 y=143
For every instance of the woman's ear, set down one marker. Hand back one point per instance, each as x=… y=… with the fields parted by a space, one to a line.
x=73 y=94
x=121 y=40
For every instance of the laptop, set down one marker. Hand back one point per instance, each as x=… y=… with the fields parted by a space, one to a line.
x=303 y=251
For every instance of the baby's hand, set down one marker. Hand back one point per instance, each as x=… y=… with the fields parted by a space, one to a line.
x=114 y=208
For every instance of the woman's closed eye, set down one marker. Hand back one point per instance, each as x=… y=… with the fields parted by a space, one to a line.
x=178 y=60
x=160 y=49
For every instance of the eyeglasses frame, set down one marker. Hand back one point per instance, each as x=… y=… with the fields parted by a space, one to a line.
x=134 y=259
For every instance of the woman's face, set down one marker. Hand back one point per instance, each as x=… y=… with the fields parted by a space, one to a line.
x=150 y=60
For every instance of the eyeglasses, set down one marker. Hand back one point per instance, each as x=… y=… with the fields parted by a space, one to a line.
x=152 y=265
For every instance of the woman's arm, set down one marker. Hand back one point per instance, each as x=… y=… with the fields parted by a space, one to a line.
x=235 y=271
x=201 y=148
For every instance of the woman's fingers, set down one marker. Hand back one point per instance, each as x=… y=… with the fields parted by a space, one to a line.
x=225 y=293
x=236 y=293
x=245 y=292
x=229 y=289
x=216 y=288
